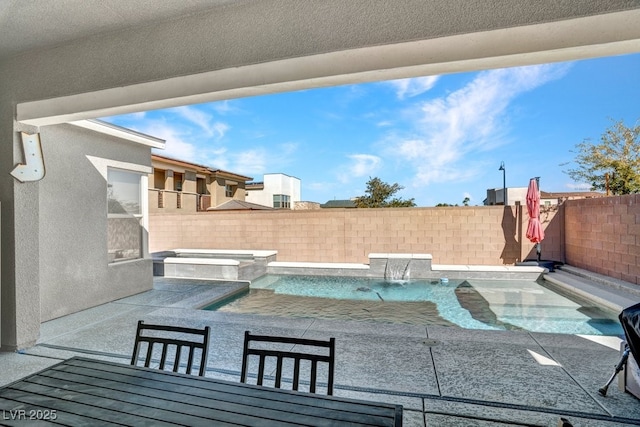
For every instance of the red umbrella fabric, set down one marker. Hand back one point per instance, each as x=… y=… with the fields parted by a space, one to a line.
x=535 y=233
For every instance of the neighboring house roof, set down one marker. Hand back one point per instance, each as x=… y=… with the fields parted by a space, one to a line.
x=236 y=205
x=571 y=195
x=339 y=204
x=200 y=168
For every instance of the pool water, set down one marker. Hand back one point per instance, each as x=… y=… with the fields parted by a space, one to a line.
x=471 y=304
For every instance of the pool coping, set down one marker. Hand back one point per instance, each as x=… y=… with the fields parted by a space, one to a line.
x=430 y=271
x=241 y=252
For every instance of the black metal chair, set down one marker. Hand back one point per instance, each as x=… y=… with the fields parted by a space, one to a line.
x=170 y=346
x=292 y=353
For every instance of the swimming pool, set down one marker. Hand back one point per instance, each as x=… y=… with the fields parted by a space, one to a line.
x=471 y=304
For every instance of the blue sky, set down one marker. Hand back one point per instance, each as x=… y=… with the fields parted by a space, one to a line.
x=441 y=137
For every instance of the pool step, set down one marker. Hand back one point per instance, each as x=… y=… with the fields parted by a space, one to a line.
x=590 y=287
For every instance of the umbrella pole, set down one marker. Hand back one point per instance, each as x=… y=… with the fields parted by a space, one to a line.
x=538 y=246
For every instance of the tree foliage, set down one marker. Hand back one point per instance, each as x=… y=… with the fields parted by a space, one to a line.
x=465 y=202
x=379 y=194
x=616 y=159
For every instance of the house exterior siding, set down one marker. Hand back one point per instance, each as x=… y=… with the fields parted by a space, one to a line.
x=276 y=184
x=74 y=268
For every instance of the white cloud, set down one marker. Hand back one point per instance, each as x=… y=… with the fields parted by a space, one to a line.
x=203 y=120
x=466 y=122
x=179 y=146
x=414 y=86
x=316 y=186
x=359 y=165
x=190 y=132
x=251 y=161
x=193 y=115
x=224 y=107
x=287 y=149
x=219 y=129
x=260 y=160
x=216 y=157
x=175 y=146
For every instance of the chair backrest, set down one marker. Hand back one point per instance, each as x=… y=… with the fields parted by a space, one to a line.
x=292 y=355
x=169 y=347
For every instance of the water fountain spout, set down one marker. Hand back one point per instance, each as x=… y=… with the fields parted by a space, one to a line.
x=397 y=269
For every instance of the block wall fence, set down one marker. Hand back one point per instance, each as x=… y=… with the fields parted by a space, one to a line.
x=601 y=235
x=483 y=235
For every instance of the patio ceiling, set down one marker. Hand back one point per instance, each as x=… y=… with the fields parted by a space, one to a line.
x=193 y=51
x=37 y=24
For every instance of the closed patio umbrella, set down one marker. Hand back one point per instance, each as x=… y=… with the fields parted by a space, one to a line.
x=535 y=233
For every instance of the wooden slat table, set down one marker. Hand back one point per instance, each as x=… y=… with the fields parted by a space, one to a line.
x=82 y=391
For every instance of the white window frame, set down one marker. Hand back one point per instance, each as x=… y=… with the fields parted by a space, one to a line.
x=282 y=201
x=102 y=165
x=228 y=190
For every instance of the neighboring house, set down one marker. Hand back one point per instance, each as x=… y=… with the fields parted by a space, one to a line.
x=306 y=206
x=495 y=196
x=547 y=199
x=519 y=194
x=277 y=190
x=239 y=205
x=339 y=204
x=180 y=186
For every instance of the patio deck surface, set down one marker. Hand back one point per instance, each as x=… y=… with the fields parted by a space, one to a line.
x=443 y=376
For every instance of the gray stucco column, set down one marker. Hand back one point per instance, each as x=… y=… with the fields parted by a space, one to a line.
x=25 y=329
x=20 y=296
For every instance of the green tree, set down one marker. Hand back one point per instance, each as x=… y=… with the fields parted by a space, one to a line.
x=379 y=194
x=614 y=162
x=466 y=201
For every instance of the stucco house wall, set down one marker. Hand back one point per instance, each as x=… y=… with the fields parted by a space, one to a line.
x=75 y=273
x=276 y=183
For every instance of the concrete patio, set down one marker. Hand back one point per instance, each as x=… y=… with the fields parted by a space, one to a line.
x=443 y=376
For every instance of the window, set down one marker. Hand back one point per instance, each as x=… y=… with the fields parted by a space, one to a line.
x=281 y=201
x=228 y=190
x=177 y=181
x=159 y=179
x=124 y=215
x=201 y=186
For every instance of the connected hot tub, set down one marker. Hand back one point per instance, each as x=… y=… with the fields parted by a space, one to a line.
x=215 y=264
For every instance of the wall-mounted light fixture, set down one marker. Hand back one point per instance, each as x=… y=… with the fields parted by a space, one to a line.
x=33 y=167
